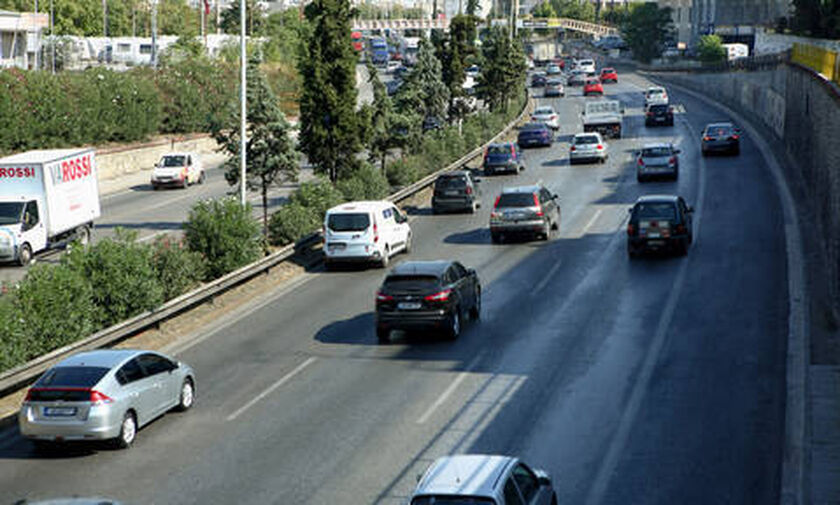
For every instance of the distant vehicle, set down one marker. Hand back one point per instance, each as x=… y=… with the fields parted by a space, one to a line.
x=593 y=87
x=380 y=54
x=357 y=40
x=657 y=160
x=502 y=158
x=655 y=95
x=545 y=51
x=467 y=479
x=577 y=78
x=538 y=80
x=553 y=69
x=608 y=75
x=400 y=72
x=525 y=210
x=432 y=123
x=547 y=115
x=610 y=42
x=554 y=88
x=659 y=223
x=604 y=116
x=107 y=394
x=659 y=114
x=457 y=190
x=473 y=71
x=586 y=64
x=178 y=170
x=735 y=51
x=721 y=138
x=411 y=46
x=392 y=66
x=588 y=147
x=393 y=86
x=47 y=199
x=365 y=231
x=535 y=134
x=427 y=295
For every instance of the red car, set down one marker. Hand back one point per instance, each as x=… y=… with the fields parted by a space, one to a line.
x=608 y=75
x=593 y=87
x=560 y=62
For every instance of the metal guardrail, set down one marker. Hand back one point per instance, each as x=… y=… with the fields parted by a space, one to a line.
x=24 y=374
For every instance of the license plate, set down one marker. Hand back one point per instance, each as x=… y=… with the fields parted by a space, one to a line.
x=337 y=247
x=654 y=234
x=656 y=243
x=59 y=411
x=452 y=193
x=408 y=305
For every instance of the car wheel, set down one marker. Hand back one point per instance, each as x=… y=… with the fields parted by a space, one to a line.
x=475 y=311
x=473 y=208
x=553 y=499
x=676 y=175
x=202 y=177
x=155 y=187
x=546 y=233
x=704 y=152
x=640 y=178
x=383 y=335
x=43 y=446
x=128 y=431
x=407 y=244
x=682 y=247
x=24 y=255
x=83 y=235
x=454 y=329
x=383 y=262
x=187 y=395
x=632 y=251
x=737 y=150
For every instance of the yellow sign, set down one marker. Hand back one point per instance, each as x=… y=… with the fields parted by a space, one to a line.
x=819 y=59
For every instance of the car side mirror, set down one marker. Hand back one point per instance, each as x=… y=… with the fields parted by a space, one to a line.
x=555 y=197
x=677 y=151
x=477 y=180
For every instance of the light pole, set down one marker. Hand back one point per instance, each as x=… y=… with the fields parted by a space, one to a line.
x=52 y=35
x=242 y=98
x=154 y=33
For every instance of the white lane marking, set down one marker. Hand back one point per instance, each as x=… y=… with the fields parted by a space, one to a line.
x=547 y=278
x=640 y=388
x=448 y=391
x=592 y=220
x=286 y=378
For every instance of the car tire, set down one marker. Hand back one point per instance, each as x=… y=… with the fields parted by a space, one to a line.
x=632 y=252
x=83 y=235
x=386 y=257
x=496 y=238
x=682 y=247
x=202 y=177
x=475 y=311
x=187 y=398
x=43 y=446
x=454 y=329
x=546 y=233
x=128 y=431
x=553 y=498
x=24 y=255
x=736 y=151
x=704 y=152
x=383 y=335
x=640 y=178
x=473 y=208
x=155 y=187
x=407 y=248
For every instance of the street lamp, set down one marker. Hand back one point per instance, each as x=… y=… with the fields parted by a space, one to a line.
x=154 y=33
x=242 y=98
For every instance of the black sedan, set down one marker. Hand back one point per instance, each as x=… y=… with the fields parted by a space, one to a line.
x=659 y=114
x=659 y=223
x=721 y=138
x=427 y=295
x=535 y=134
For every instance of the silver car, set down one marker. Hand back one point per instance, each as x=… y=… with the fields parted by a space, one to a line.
x=657 y=160
x=106 y=394
x=588 y=147
x=546 y=115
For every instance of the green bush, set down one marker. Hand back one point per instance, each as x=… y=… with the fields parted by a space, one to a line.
x=367 y=183
x=403 y=171
x=225 y=233
x=14 y=345
x=121 y=275
x=195 y=94
x=291 y=222
x=177 y=268
x=319 y=195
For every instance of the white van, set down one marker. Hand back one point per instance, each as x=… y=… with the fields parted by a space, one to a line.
x=370 y=231
x=736 y=50
x=587 y=65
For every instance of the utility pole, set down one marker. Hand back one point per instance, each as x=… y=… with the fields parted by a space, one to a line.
x=218 y=17
x=52 y=35
x=242 y=97
x=154 y=33
x=38 y=36
x=105 y=18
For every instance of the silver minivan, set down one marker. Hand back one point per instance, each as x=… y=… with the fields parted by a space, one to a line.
x=107 y=394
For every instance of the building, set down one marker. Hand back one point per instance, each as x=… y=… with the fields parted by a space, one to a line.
x=735 y=20
x=20 y=38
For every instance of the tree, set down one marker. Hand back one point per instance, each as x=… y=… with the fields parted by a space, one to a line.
x=710 y=49
x=574 y=9
x=454 y=51
x=473 y=8
x=817 y=18
x=424 y=91
x=329 y=126
x=255 y=18
x=646 y=29
x=503 y=75
x=270 y=154
x=381 y=137
x=544 y=10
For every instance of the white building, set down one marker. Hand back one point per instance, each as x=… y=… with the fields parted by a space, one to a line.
x=20 y=38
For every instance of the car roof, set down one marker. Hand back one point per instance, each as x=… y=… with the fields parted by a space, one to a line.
x=657 y=199
x=179 y=153
x=607 y=69
x=532 y=125
x=465 y=475
x=108 y=358
x=455 y=173
x=586 y=134
x=531 y=188
x=722 y=124
x=436 y=268
x=653 y=145
x=360 y=206
x=501 y=144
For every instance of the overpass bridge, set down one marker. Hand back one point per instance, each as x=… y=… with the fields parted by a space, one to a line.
x=443 y=24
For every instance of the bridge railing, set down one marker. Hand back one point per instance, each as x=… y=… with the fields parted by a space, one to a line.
x=401 y=24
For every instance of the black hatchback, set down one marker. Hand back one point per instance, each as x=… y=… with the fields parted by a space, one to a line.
x=659 y=114
x=427 y=295
x=456 y=191
x=659 y=223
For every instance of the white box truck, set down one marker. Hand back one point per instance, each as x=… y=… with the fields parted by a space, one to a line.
x=604 y=117
x=47 y=198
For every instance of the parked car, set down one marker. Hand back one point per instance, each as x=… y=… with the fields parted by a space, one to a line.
x=365 y=231
x=659 y=114
x=721 y=138
x=554 y=88
x=593 y=87
x=427 y=295
x=467 y=479
x=457 y=190
x=179 y=170
x=577 y=78
x=503 y=158
x=525 y=210
x=608 y=75
x=657 y=160
x=106 y=394
x=655 y=95
x=535 y=134
x=659 y=223
x=538 y=80
x=588 y=147
x=546 y=114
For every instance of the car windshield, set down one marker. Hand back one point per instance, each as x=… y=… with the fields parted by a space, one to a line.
x=554 y=82
x=655 y=210
x=659 y=108
x=10 y=212
x=173 y=161
x=720 y=131
x=516 y=200
x=607 y=71
x=72 y=376
x=586 y=139
x=411 y=283
x=451 y=500
x=348 y=222
x=534 y=127
x=498 y=150
x=656 y=151
x=544 y=111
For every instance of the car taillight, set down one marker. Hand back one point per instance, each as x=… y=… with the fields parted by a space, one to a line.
x=600 y=147
x=469 y=190
x=98 y=398
x=554 y=116
x=538 y=206
x=673 y=160
x=679 y=229
x=734 y=137
x=630 y=229
x=380 y=297
x=641 y=162
x=28 y=395
x=496 y=204
x=573 y=148
x=649 y=113
x=441 y=296
x=375 y=233
x=707 y=138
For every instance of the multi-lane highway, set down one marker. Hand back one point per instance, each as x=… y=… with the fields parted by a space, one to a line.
x=650 y=381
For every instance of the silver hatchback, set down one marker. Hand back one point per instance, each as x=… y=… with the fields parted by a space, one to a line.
x=106 y=394
x=588 y=147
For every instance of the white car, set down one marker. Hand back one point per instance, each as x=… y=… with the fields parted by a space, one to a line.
x=546 y=115
x=179 y=170
x=392 y=66
x=656 y=95
x=588 y=147
x=587 y=65
x=365 y=231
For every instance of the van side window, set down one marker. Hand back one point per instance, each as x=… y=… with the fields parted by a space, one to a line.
x=512 y=496
x=387 y=213
x=30 y=214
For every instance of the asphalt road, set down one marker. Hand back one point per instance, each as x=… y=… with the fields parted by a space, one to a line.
x=658 y=380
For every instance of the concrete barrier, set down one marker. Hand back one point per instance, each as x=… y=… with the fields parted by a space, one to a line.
x=114 y=162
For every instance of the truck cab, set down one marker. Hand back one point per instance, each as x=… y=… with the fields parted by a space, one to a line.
x=22 y=230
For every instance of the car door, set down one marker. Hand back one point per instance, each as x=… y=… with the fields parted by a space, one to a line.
x=685 y=215
x=401 y=227
x=138 y=390
x=465 y=285
x=532 y=492
x=548 y=205
x=511 y=492
x=157 y=370
x=33 y=230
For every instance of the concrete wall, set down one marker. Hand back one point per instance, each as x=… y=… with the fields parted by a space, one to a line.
x=117 y=162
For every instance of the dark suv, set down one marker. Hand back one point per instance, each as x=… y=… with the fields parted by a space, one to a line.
x=659 y=223
x=503 y=158
x=526 y=210
x=659 y=114
x=427 y=295
x=457 y=191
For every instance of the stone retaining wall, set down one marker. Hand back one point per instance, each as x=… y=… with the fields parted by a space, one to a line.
x=119 y=161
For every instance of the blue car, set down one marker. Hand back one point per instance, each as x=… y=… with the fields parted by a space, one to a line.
x=535 y=134
x=503 y=158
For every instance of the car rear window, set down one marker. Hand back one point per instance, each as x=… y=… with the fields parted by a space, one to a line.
x=720 y=131
x=544 y=111
x=411 y=283
x=607 y=71
x=534 y=127
x=451 y=500
x=498 y=150
x=659 y=108
x=656 y=151
x=451 y=182
x=651 y=210
x=72 y=376
x=348 y=222
x=586 y=139
x=516 y=200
